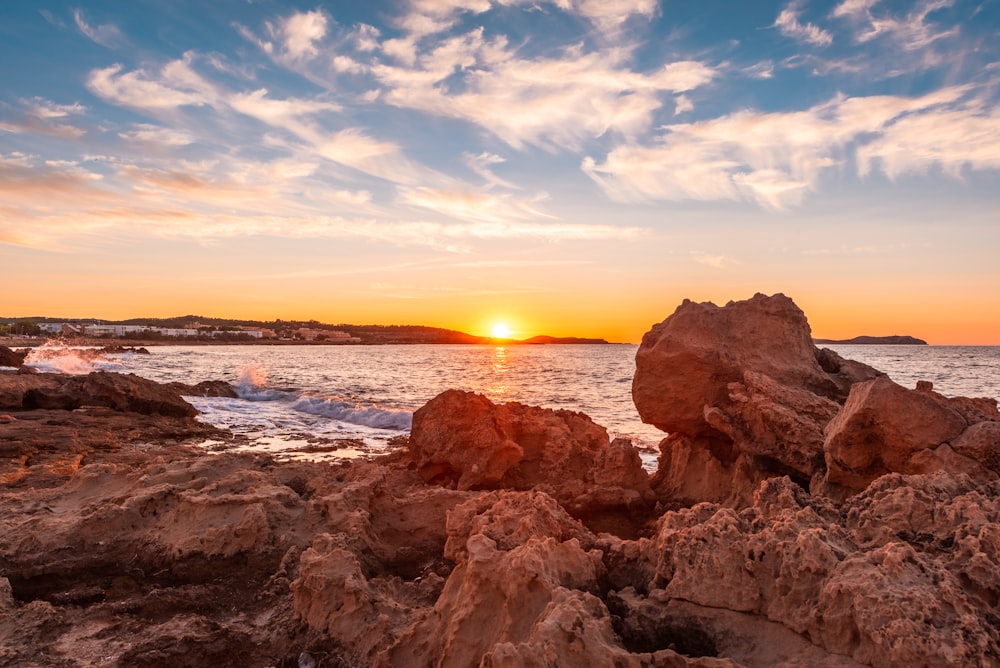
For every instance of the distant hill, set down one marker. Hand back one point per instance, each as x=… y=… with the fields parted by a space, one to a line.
x=876 y=340
x=370 y=334
x=559 y=339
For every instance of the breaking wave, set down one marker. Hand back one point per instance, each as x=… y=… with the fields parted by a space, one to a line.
x=369 y=416
x=252 y=386
x=56 y=358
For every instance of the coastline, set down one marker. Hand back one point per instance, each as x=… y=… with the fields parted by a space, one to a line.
x=799 y=515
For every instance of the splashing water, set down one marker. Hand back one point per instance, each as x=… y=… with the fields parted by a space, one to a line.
x=55 y=357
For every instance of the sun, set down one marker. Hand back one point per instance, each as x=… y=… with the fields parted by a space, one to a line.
x=500 y=331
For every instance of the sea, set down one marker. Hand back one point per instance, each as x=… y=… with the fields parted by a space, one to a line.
x=322 y=402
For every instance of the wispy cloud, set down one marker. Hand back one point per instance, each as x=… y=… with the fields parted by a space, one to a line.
x=775 y=159
x=789 y=25
x=40 y=116
x=107 y=35
x=299 y=33
x=553 y=103
x=480 y=164
x=152 y=135
x=468 y=204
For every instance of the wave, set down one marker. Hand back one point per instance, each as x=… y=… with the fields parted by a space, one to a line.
x=54 y=357
x=370 y=416
x=252 y=386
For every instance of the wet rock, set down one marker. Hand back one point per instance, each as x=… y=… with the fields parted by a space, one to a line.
x=121 y=392
x=10 y=357
x=206 y=388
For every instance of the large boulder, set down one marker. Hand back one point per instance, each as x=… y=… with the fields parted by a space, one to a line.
x=744 y=394
x=687 y=362
x=463 y=439
x=885 y=428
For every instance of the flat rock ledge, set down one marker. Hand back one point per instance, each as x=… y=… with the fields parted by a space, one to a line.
x=807 y=511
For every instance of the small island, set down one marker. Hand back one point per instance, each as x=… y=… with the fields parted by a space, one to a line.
x=894 y=340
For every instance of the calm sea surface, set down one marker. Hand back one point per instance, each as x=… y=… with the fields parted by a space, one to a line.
x=348 y=400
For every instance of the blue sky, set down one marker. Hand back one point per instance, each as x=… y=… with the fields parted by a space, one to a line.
x=570 y=166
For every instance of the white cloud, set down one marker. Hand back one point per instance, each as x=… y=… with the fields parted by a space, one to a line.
x=300 y=32
x=480 y=164
x=789 y=26
x=913 y=31
x=966 y=137
x=775 y=159
x=145 y=133
x=141 y=90
x=554 y=103
x=472 y=205
x=682 y=104
x=284 y=113
x=45 y=109
x=609 y=15
x=107 y=35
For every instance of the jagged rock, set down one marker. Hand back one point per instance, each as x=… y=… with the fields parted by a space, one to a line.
x=745 y=395
x=11 y=358
x=881 y=582
x=206 y=388
x=464 y=439
x=688 y=361
x=122 y=392
x=885 y=427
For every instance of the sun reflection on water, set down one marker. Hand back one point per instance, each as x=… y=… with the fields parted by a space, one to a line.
x=500 y=365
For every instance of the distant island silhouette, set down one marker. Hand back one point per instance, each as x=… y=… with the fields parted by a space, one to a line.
x=894 y=340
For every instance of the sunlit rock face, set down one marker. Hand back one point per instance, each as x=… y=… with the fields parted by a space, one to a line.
x=464 y=439
x=744 y=393
x=687 y=362
x=885 y=428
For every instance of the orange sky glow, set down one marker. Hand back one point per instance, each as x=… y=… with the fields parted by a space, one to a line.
x=570 y=169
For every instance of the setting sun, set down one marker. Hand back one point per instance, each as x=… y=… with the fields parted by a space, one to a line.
x=500 y=331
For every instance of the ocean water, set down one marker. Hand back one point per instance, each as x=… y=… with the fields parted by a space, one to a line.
x=343 y=401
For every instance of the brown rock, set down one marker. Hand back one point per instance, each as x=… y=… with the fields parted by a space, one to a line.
x=880 y=581
x=206 y=388
x=122 y=392
x=881 y=428
x=981 y=442
x=465 y=439
x=687 y=361
x=745 y=395
x=11 y=358
x=128 y=392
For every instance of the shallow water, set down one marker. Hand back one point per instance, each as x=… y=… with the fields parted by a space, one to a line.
x=335 y=401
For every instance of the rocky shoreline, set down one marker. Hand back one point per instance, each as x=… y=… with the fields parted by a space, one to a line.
x=806 y=511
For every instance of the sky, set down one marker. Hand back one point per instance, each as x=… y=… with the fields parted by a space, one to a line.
x=566 y=167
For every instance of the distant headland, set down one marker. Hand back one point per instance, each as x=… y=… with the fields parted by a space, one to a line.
x=203 y=330
x=876 y=340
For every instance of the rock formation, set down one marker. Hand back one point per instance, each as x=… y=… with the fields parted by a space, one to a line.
x=464 y=439
x=117 y=391
x=887 y=428
x=744 y=394
x=807 y=511
x=10 y=358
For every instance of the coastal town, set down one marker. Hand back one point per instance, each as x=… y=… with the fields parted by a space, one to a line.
x=192 y=330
